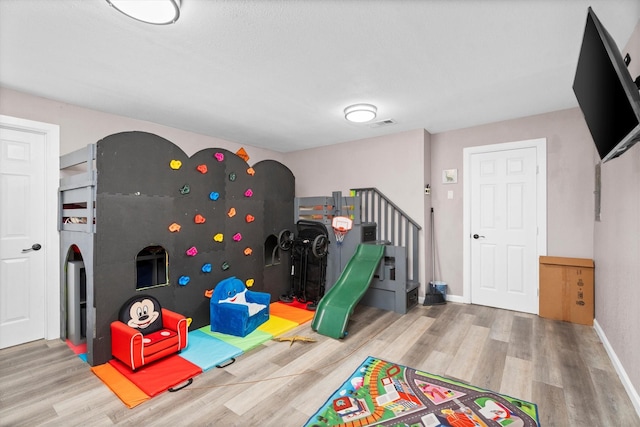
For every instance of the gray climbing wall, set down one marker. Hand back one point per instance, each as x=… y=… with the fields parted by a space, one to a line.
x=140 y=195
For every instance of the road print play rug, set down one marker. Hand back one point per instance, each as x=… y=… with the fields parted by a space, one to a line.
x=381 y=393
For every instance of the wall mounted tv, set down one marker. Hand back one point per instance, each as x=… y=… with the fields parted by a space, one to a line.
x=606 y=93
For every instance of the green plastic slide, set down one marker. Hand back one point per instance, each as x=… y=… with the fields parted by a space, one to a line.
x=335 y=308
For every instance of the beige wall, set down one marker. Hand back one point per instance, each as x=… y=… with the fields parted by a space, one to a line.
x=80 y=126
x=617 y=249
x=570 y=185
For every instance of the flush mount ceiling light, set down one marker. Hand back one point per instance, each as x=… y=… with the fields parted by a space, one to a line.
x=360 y=113
x=159 y=12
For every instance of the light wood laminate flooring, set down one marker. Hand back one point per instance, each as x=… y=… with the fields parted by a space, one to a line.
x=562 y=367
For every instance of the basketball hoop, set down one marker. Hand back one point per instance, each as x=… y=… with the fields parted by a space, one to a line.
x=341 y=226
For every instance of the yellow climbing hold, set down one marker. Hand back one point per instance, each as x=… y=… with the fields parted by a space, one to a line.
x=249 y=283
x=175 y=164
x=218 y=237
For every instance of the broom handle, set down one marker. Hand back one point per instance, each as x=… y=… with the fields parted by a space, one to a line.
x=433 y=251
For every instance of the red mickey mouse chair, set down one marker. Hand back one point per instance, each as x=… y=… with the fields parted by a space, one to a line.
x=145 y=332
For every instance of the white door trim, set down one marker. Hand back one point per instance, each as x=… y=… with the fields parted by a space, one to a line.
x=540 y=145
x=51 y=134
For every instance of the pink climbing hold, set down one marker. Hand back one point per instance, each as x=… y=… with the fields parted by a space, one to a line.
x=219 y=156
x=237 y=237
x=192 y=251
x=248 y=193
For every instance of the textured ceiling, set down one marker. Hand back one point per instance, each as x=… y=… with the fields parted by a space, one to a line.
x=277 y=74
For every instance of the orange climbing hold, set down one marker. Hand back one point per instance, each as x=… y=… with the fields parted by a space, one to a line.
x=248 y=251
x=175 y=227
x=251 y=171
x=242 y=154
x=231 y=213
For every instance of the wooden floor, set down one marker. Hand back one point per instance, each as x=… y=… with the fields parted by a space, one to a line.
x=560 y=366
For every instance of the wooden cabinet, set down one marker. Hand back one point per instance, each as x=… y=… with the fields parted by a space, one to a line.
x=567 y=289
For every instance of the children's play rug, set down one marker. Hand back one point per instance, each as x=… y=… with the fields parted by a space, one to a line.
x=381 y=393
x=205 y=350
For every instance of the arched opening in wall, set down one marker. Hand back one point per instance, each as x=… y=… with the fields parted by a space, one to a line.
x=271 y=251
x=152 y=267
x=76 y=296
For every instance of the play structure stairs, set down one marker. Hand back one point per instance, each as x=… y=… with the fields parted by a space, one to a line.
x=335 y=308
x=394 y=226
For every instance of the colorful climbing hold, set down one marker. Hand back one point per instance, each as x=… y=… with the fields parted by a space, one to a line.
x=218 y=237
x=219 y=156
x=185 y=189
x=184 y=280
x=232 y=176
x=199 y=219
x=202 y=168
x=175 y=227
x=249 y=283
x=175 y=164
x=206 y=268
x=249 y=218
x=225 y=266
x=248 y=251
x=231 y=213
x=251 y=171
x=192 y=251
x=248 y=193
x=214 y=195
x=242 y=154
x=237 y=237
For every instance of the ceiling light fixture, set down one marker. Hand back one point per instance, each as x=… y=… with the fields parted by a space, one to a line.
x=360 y=113
x=159 y=12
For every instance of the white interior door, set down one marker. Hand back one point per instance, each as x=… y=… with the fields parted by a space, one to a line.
x=503 y=231
x=22 y=229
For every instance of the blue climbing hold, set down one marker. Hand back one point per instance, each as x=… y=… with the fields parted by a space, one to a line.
x=206 y=268
x=214 y=195
x=184 y=280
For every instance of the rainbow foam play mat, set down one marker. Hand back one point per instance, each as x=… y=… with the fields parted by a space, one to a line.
x=205 y=350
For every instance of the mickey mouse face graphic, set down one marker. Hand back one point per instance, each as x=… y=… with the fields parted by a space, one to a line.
x=143 y=313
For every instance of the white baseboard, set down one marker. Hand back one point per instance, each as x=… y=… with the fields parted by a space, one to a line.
x=450 y=298
x=626 y=382
x=455 y=298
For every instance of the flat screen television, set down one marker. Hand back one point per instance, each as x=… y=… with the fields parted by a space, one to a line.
x=606 y=93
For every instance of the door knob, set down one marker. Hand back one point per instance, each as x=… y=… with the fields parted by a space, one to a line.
x=34 y=247
x=477 y=236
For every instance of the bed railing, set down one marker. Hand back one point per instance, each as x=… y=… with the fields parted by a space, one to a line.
x=77 y=191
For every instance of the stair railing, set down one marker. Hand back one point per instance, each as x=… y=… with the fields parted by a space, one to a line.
x=393 y=225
